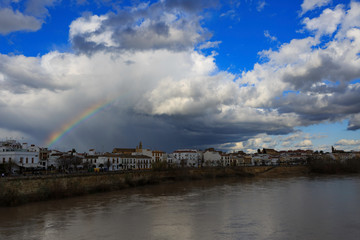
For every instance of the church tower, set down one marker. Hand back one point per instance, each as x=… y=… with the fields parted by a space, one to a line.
x=139 y=148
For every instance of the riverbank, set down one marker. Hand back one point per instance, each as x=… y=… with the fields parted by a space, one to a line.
x=17 y=191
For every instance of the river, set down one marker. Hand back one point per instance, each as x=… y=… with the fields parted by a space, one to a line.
x=326 y=207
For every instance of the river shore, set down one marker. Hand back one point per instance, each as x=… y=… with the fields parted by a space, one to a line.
x=21 y=190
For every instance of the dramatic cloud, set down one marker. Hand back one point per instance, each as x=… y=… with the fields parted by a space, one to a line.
x=145 y=63
x=309 y=77
x=11 y=21
x=183 y=96
x=172 y=25
x=309 y=5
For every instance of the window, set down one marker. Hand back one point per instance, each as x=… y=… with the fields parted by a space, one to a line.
x=21 y=159
x=27 y=160
x=32 y=160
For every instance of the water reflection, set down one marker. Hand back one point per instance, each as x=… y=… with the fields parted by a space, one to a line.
x=290 y=208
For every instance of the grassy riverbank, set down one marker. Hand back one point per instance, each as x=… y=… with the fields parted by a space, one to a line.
x=16 y=191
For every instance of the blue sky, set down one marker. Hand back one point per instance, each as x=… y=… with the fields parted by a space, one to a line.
x=235 y=75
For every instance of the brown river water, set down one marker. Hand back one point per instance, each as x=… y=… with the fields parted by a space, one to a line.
x=325 y=207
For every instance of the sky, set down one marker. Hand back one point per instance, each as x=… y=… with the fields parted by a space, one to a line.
x=234 y=75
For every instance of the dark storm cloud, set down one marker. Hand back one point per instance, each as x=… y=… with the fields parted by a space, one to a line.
x=188 y=131
x=354 y=122
x=87 y=47
x=24 y=120
x=328 y=103
x=330 y=69
x=161 y=132
x=160 y=28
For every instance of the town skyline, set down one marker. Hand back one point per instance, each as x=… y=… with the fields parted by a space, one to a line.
x=181 y=74
x=17 y=158
x=331 y=149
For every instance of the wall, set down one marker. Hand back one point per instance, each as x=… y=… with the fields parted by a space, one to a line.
x=15 y=191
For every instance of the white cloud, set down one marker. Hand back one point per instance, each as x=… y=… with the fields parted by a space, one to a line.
x=309 y=5
x=267 y=35
x=11 y=21
x=39 y=7
x=348 y=142
x=304 y=144
x=292 y=141
x=86 y=25
x=260 y=5
x=209 y=44
x=351 y=20
x=327 y=23
x=232 y=13
x=252 y=144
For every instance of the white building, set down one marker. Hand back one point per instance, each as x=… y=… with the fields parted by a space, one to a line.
x=171 y=161
x=226 y=159
x=117 y=162
x=138 y=162
x=53 y=160
x=265 y=159
x=187 y=157
x=17 y=156
x=212 y=158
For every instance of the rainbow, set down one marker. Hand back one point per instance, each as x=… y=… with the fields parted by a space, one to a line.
x=86 y=114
